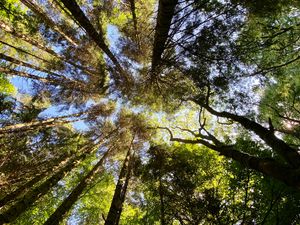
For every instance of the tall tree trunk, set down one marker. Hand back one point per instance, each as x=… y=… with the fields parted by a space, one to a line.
x=81 y=18
x=41 y=46
x=116 y=206
x=20 y=50
x=162 y=204
x=166 y=10
x=132 y=9
x=43 y=15
x=288 y=153
x=267 y=166
x=25 y=64
x=50 y=122
x=25 y=187
x=66 y=82
x=66 y=205
x=33 y=195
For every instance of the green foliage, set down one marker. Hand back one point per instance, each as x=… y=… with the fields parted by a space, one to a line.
x=5 y=86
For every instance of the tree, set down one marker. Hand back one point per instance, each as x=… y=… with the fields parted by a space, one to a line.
x=190 y=110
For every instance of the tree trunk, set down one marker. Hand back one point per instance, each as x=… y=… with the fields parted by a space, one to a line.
x=278 y=145
x=166 y=10
x=40 y=123
x=162 y=205
x=132 y=9
x=33 y=195
x=267 y=166
x=25 y=64
x=116 y=206
x=43 y=15
x=66 y=205
x=25 y=187
x=40 y=46
x=25 y=52
x=81 y=18
x=66 y=82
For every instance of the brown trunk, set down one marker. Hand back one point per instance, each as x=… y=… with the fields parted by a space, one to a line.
x=267 y=166
x=25 y=64
x=132 y=9
x=43 y=15
x=278 y=145
x=37 y=44
x=33 y=195
x=81 y=18
x=65 y=82
x=25 y=187
x=116 y=206
x=47 y=80
x=25 y=52
x=66 y=205
x=166 y=9
x=162 y=205
x=21 y=127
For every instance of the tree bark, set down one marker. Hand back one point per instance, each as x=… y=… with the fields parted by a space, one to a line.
x=278 y=145
x=116 y=206
x=25 y=187
x=33 y=195
x=267 y=166
x=166 y=10
x=66 y=205
x=50 y=122
x=162 y=205
x=81 y=18
x=65 y=82
x=41 y=46
x=43 y=15
x=25 y=64
x=132 y=9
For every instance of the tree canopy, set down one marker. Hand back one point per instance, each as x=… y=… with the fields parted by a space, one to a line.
x=149 y=112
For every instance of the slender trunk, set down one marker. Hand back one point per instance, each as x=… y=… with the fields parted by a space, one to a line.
x=25 y=52
x=65 y=82
x=46 y=80
x=116 y=206
x=41 y=46
x=132 y=9
x=21 y=127
x=166 y=9
x=278 y=145
x=66 y=205
x=81 y=18
x=162 y=205
x=267 y=166
x=25 y=187
x=25 y=64
x=43 y=15
x=33 y=195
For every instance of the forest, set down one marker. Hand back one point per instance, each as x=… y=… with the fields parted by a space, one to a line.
x=150 y=112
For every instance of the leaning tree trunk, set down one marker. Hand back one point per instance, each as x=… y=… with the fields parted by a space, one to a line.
x=50 y=122
x=28 y=65
x=66 y=205
x=47 y=20
x=81 y=18
x=25 y=187
x=33 y=195
x=166 y=10
x=267 y=166
x=43 y=47
x=116 y=206
x=279 y=146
